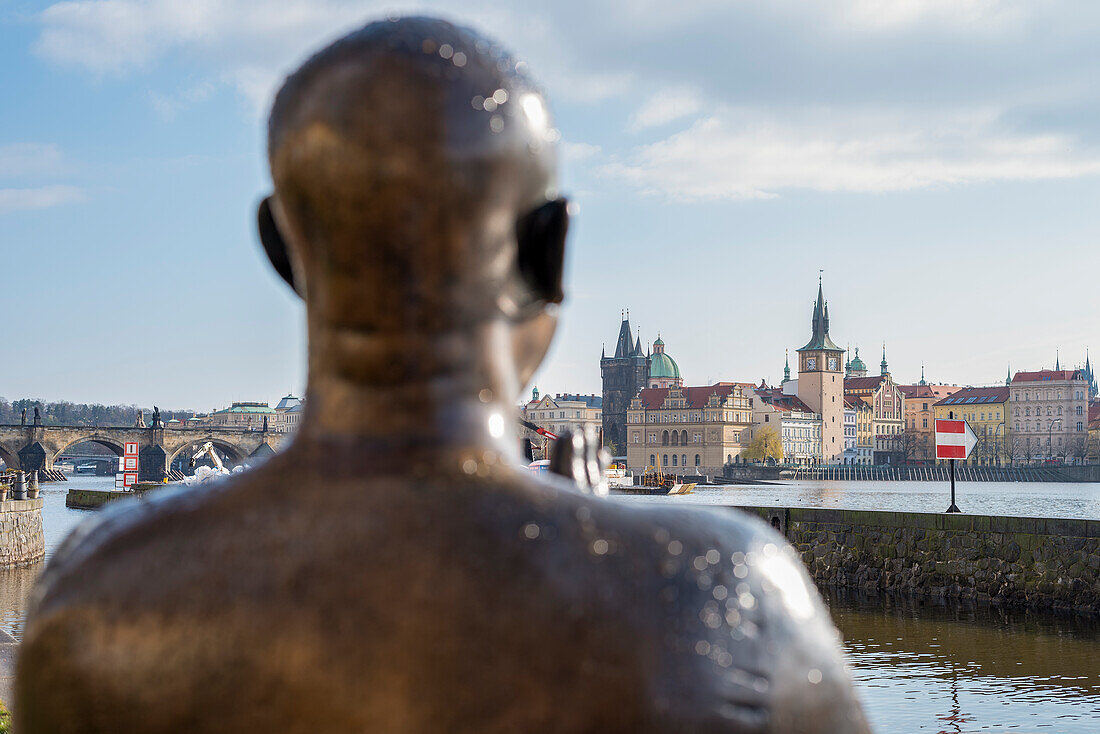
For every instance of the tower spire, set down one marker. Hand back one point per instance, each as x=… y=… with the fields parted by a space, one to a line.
x=1057 y=360
x=1008 y=377
x=922 y=382
x=786 y=365
x=883 y=363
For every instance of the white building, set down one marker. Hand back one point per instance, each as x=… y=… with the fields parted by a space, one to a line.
x=799 y=428
x=560 y=413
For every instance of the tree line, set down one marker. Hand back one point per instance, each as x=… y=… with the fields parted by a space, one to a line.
x=65 y=413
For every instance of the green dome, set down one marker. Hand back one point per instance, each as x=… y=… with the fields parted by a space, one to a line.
x=662 y=365
x=857 y=364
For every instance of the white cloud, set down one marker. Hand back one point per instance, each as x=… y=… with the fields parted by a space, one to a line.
x=666 y=106
x=745 y=154
x=578 y=151
x=29 y=159
x=251 y=44
x=12 y=200
x=169 y=105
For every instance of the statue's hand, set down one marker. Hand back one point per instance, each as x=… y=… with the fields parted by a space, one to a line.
x=577 y=456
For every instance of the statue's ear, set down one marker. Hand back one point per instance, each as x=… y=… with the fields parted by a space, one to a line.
x=540 y=235
x=273 y=242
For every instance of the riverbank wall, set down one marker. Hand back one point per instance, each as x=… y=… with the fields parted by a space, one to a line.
x=21 y=539
x=1035 y=562
x=915 y=473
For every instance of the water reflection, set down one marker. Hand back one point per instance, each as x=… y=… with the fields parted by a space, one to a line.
x=922 y=666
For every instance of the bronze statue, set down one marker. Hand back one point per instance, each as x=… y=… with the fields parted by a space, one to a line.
x=157 y=422
x=397 y=569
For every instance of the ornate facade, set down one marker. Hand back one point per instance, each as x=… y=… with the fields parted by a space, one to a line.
x=703 y=428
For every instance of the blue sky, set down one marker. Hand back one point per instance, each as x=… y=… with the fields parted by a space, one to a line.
x=938 y=158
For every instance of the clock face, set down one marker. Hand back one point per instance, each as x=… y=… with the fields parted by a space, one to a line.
x=811 y=363
x=832 y=363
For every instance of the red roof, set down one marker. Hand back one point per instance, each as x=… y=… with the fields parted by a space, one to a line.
x=976 y=395
x=863 y=383
x=774 y=397
x=1094 y=412
x=653 y=397
x=1047 y=376
x=928 y=391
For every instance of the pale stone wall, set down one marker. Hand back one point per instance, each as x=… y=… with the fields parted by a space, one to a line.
x=1037 y=562
x=21 y=539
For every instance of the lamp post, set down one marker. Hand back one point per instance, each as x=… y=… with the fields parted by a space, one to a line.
x=1050 y=446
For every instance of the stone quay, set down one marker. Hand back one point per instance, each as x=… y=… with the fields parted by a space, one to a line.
x=1046 y=563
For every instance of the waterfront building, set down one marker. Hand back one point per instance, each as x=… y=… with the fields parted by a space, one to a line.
x=799 y=428
x=820 y=383
x=1049 y=415
x=248 y=415
x=288 y=413
x=689 y=430
x=920 y=416
x=985 y=409
x=623 y=375
x=859 y=433
x=560 y=413
x=884 y=440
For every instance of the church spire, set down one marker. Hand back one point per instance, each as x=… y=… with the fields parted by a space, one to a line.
x=819 y=324
x=882 y=364
x=786 y=365
x=1008 y=377
x=1057 y=360
x=922 y=382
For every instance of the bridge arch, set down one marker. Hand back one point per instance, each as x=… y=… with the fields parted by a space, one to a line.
x=234 y=453
x=9 y=456
x=115 y=447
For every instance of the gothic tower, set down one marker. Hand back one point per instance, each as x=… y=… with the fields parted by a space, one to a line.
x=821 y=382
x=623 y=376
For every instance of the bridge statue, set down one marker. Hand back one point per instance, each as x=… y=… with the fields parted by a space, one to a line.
x=37 y=416
x=23 y=417
x=397 y=569
x=157 y=422
x=140 y=420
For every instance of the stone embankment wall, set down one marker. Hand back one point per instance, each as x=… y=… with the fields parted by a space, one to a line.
x=1029 y=561
x=21 y=540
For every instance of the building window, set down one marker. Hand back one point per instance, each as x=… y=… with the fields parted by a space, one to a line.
x=664 y=460
x=697 y=460
x=683 y=460
x=674 y=459
x=1080 y=426
x=664 y=439
x=652 y=460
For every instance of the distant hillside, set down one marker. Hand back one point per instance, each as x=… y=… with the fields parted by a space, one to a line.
x=64 y=413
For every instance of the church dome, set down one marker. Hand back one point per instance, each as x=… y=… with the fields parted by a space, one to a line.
x=662 y=365
x=857 y=363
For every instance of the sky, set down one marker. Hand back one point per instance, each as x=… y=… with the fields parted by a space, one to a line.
x=939 y=160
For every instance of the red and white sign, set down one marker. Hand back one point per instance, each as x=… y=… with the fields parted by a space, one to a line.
x=954 y=439
x=131 y=449
x=128 y=480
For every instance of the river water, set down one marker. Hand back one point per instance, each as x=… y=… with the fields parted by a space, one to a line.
x=918 y=666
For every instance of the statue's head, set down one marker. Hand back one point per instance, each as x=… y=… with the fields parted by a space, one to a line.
x=415 y=192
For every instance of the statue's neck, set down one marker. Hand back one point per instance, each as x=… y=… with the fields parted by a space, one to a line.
x=441 y=396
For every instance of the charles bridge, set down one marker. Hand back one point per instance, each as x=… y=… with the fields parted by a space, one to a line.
x=36 y=447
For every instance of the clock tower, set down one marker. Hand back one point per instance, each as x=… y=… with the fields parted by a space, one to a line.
x=821 y=382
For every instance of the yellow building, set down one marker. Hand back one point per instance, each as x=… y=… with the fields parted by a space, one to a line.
x=920 y=422
x=985 y=409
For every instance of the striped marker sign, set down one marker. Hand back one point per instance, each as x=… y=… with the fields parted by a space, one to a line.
x=954 y=439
